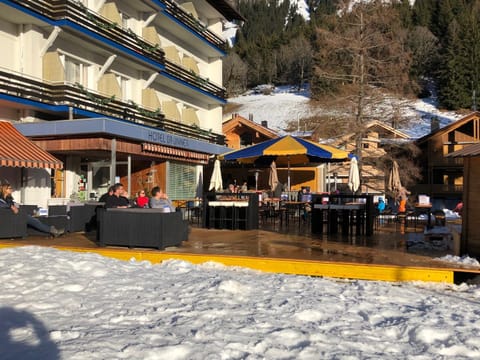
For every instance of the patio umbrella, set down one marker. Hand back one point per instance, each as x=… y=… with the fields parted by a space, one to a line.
x=273 y=177
x=216 y=179
x=394 y=183
x=287 y=150
x=354 y=175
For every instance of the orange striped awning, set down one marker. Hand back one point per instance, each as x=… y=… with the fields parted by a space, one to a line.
x=17 y=151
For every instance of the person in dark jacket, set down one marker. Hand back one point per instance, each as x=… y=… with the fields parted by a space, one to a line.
x=7 y=202
x=117 y=199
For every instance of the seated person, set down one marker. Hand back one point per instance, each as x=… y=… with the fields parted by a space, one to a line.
x=6 y=201
x=232 y=189
x=244 y=187
x=160 y=200
x=104 y=197
x=117 y=199
x=141 y=200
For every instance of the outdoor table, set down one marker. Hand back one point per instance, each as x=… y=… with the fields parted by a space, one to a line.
x=348 y=215
x=228 y=214
x=292 y=208
x=423 y=209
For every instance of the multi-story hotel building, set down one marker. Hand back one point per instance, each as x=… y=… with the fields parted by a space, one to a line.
x=118 y=90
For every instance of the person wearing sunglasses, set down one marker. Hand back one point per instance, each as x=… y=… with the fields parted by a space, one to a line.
x=6 y=201
x=142 y=199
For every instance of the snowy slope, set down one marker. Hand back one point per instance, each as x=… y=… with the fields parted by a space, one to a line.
x=285 y=105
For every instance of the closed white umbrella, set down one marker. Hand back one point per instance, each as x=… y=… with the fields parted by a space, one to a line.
x=216 y=182
x=394 y=184
x=273 y=177
x=354 y=175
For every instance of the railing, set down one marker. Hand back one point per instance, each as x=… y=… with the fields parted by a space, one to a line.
x=176 y=11
x=446 y=162
x=192 y=78
x=76 y=96
x=436 y=189
x=81 y=15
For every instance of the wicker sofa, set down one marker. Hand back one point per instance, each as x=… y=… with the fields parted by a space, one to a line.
x=13 y=225
x=141 y=228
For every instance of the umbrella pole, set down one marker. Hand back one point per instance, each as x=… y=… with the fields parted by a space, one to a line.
x=288 y=174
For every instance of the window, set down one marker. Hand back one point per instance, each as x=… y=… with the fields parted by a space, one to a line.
x=246 y=139
x=75 y=71
x=124 y=87
x=125 y=20
x=181 y=181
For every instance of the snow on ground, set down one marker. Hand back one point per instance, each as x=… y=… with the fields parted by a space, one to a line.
x=285 y=105
x=65 y=305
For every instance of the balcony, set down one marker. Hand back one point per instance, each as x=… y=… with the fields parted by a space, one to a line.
x=437 y=189
x=190 y=77
x=81 y=15
x=178 y=13
x=79 y=98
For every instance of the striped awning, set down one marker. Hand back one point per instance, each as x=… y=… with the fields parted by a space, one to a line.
x=174 y=153
x=18 y=151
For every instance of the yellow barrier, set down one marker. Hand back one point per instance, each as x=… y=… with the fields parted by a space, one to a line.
x=285 y=266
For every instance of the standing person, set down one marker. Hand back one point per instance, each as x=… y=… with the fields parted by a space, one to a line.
x=160 y=200
x=381 y=205
x=7 y=202
x=117 y=199
x=142 y=199
x=402 y=199
x=459 y=208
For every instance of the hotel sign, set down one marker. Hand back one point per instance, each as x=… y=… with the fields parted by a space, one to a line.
x=167 y=139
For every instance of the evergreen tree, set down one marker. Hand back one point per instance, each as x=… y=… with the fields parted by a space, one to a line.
x=454 y=90
x=471 y=44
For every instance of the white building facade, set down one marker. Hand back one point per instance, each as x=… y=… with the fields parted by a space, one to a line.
x=118 y=90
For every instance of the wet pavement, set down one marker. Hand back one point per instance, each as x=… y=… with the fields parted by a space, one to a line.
x=390 y=244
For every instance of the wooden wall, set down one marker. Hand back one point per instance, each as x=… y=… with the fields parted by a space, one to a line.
x=471 y=197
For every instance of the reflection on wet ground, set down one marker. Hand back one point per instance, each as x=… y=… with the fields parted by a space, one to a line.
x=388 y=245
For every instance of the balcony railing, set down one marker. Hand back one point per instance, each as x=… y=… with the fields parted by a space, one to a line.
x=437 y=189
x=177 y=12
x=77 y=97
x=81 y=15
x=192 y=78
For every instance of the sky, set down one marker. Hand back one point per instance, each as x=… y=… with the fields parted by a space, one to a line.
x=64 y=305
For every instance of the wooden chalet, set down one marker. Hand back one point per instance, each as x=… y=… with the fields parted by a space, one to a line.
x=470 y=156
x=240 y=132
x=373 y=146
x=443 y=176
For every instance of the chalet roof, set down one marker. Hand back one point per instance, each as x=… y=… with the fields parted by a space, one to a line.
x=471 y=150
x=450 y=127
x=375 y=123
x=227 y=10
x=237 y=120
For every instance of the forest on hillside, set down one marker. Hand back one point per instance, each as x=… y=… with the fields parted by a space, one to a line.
x=342 y=50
